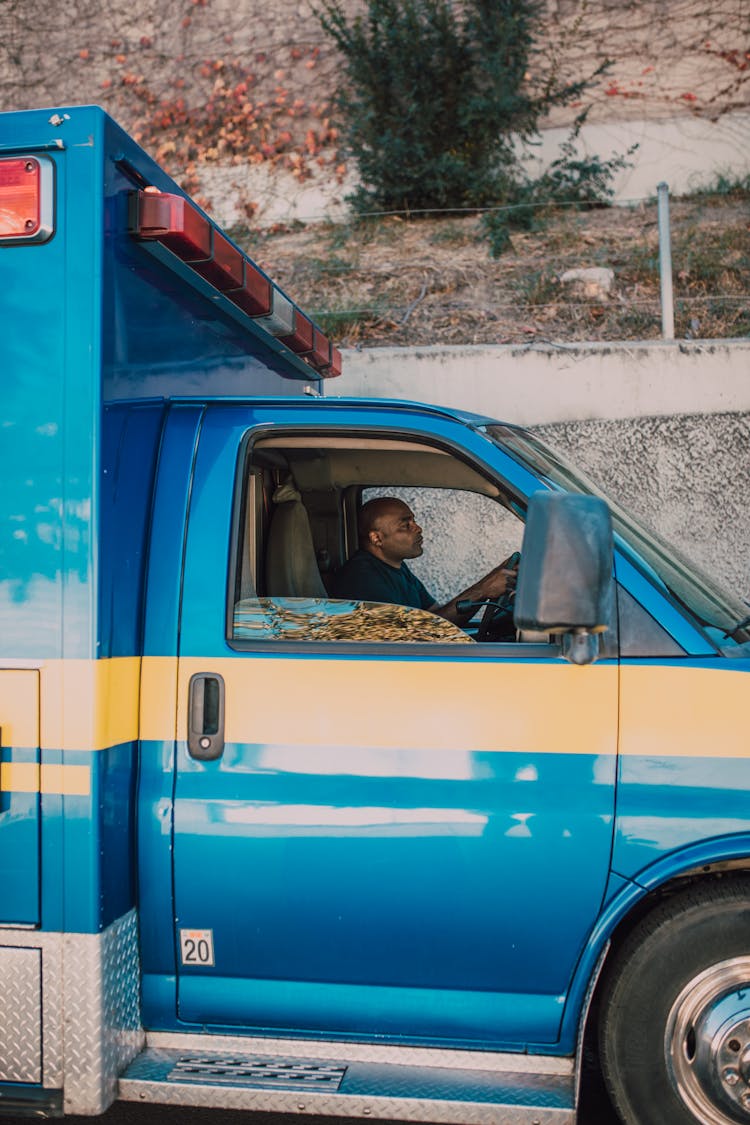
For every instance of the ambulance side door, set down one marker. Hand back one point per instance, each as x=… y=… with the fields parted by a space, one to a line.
x=391 y=840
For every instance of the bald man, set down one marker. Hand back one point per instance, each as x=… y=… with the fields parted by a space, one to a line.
x=377 y=572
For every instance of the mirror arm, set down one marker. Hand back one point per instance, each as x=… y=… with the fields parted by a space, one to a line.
x=580 y=647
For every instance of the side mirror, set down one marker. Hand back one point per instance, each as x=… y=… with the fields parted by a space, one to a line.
x=565 y=582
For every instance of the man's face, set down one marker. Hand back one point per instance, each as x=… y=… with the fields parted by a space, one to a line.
x=397 y=535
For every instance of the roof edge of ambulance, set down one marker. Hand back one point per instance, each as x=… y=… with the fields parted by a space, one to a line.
x=343 y=402
x=79 y=109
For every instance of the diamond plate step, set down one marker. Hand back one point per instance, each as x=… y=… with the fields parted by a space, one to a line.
x=260 y=1074
x=353 y=1087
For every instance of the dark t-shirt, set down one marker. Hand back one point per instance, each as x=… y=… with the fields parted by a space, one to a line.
x=365 y=578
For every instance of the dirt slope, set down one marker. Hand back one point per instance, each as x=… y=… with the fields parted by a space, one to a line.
x=434 y=282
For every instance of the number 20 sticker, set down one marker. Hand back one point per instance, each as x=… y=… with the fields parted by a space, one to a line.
x=197 y=947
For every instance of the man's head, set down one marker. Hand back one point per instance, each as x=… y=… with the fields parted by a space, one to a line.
x=388 y=530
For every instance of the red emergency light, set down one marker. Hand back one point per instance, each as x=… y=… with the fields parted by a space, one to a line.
x=335 y=366
x=255 y=293
x=177 y=224
x=26 y=199
x=321 y=349
x=301 y=339
x=225 y=266
x=325 y=357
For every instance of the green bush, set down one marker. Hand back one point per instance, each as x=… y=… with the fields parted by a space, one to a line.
x=435 y=99
x=572 y=179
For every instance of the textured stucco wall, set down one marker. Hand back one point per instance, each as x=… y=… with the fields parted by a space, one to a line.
x=685 y=476
x=686 y=473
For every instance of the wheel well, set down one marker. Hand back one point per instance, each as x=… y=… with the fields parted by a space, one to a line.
x=705 y=873
x=591 y=1080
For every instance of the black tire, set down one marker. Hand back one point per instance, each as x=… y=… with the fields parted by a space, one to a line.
x=674 y=993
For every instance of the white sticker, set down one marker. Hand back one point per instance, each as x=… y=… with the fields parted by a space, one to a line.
x=197 y=947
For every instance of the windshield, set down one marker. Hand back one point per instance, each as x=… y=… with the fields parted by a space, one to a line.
x=714 y=607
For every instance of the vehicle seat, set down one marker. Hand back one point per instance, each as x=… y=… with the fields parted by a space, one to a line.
x=291 y=567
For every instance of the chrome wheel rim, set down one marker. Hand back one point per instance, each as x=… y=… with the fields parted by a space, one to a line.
x=707 y=1043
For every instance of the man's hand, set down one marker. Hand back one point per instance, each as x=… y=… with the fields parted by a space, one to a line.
x=500 y=581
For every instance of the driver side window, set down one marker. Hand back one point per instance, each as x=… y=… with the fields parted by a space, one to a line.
x=297 y=528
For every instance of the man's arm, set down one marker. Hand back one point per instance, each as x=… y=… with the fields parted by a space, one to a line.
x=498 y=582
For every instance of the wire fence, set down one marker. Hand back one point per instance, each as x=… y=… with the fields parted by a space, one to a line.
x=698 y=288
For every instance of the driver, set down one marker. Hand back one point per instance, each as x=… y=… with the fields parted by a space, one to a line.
x=389 y=534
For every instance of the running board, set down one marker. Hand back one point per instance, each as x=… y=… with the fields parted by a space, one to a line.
x=349 y=1080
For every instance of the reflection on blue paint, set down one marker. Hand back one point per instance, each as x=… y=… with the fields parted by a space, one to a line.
x=665 y=804
x=305 y=820
x=405 y=871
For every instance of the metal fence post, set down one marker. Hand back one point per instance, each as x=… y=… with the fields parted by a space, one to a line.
x=665 y=263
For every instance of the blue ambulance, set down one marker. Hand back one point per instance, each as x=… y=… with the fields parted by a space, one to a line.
x=264 y=848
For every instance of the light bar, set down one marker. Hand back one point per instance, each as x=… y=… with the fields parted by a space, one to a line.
x=255 y=293
x=280 y=322
x=300 y=340
x=177 y=224
x=321 y=349
x=335 y=367
x=225 y=267
x=26 y=199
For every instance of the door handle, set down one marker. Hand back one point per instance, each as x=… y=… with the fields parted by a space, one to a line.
x=206 y=717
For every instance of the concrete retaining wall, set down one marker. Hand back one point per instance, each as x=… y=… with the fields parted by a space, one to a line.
x=663 y=427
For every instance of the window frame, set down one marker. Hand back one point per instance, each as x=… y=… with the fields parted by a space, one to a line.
x=484 y=650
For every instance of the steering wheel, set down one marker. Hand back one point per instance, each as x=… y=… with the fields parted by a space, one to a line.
x=496 y=622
